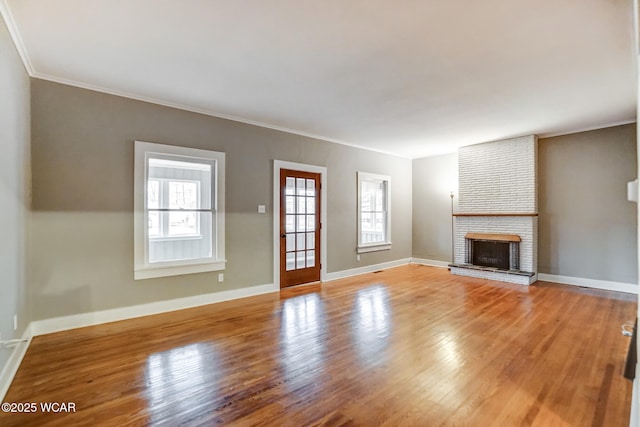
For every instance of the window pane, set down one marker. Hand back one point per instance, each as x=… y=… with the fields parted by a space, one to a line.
x=301 y=237
x=183 y=224
x=300 y=186
x=301 y=204
x=379 y=195
x=311 y=205
x=153 y=194
x=311 y=240
x=290 y=205
x=291 y=261
x=290 y=223
x=290 y=187
x=167 y=248
x=300 y=259
x=311 y=258
x=291 y=242
x=301 y=224
x=183 y=195
x=367 y=227
x=374 y=230
x=311 y=187
x=154 y=224
x=372 y=196
x=311 y=222
x=366 y=222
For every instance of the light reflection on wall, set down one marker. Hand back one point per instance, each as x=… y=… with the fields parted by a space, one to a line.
x=175 y=379
x=372 y=324
x=302 y=339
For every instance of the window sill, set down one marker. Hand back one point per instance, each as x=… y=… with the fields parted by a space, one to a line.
x=151 y=272
x=175 y=238
x=374 y=248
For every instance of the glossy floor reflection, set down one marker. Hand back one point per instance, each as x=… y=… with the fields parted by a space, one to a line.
x=303 y=338
x=185 y=372
x=371 y=324
x=407 y=346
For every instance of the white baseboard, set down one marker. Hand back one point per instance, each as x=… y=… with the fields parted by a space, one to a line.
x=10 y=369
x=57 y=324
x=430 y=262
x=629 y=288
x=366 y=269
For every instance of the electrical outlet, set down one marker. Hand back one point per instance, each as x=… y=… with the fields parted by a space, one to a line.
x=358 y=257
x=15 y=322
x=220 y=277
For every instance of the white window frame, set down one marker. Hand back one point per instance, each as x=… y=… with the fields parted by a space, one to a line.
x=142 y=268
x=386 y=244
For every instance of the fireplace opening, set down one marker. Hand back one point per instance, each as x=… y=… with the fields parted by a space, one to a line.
x=499 y=251
x=490 y=254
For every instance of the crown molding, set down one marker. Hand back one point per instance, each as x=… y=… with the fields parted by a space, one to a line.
x=203 y=111
x=586 y=129
x=10 y=22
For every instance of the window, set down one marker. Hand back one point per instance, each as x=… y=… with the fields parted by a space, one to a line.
x=179 y=210
x=374 y=214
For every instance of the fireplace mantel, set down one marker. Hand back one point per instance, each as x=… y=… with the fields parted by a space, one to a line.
x=498 y=214
x=493 y=237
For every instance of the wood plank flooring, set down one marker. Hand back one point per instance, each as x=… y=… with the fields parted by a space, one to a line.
x=412 y=345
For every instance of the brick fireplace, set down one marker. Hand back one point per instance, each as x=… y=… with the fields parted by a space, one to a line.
x=497 y=211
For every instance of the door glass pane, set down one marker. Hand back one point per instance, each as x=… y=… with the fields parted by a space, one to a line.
x=290 y=187
x=311 y=205
x=311 y=240
x=290 y=223
x=301 y=241
x=301 y=205
x=291 y=242
x=301 y=225
x=290 y=205
x=300 y=259
x=291 y=261
x=311 y=222
x=300 y=182
x=311 y=187
x=311 y=258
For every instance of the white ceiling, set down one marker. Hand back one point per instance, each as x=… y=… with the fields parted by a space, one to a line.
x=412 y=78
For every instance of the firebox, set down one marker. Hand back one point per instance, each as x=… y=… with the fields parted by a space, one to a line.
x=499 y=251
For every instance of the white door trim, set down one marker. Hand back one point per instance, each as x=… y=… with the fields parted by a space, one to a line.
x=277 y=166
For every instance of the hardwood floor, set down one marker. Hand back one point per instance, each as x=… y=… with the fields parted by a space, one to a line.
x=406 y=346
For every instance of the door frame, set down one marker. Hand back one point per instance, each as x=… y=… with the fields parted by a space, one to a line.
x=277 y=166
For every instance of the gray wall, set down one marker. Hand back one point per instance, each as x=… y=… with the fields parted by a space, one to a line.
x=433 y=180
x=587 y=228
x=14 y=189
x=83 y=198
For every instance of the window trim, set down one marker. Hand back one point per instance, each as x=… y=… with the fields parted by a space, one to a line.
x=142 y=268
x=378 y=246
